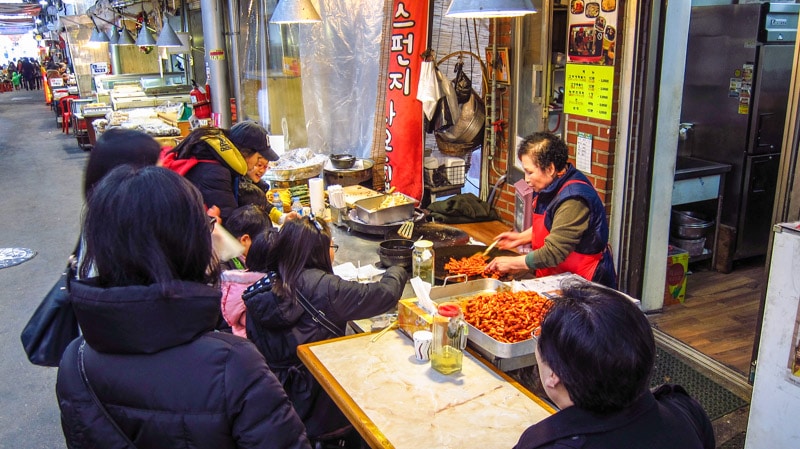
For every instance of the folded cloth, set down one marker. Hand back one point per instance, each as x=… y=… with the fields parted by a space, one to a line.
x=462 y=208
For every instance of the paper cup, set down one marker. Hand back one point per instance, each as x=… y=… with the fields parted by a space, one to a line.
x=422 y=345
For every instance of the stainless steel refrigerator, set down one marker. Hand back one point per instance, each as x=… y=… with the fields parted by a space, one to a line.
x=736 y=87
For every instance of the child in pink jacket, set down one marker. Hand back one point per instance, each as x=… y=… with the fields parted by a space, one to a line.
x=233 y=284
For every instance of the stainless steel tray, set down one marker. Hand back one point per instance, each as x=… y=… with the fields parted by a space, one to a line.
x=486 y=344
x=369 y=211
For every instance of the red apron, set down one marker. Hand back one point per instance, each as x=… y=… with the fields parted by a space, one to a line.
x=583 y=265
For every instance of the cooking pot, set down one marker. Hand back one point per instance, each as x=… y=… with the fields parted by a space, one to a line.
x=350 y=176
x=396 y=252
x=342 y=161
x=689 y=224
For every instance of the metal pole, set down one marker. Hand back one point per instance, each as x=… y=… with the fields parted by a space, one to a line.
x=233 y=20
x=116 y=64
x=216 y=59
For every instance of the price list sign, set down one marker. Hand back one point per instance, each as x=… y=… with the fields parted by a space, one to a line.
x=588 y=90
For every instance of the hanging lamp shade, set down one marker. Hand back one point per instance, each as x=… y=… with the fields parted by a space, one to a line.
x=295 y=11
x=145 y=38
x=125 y=37
x=113 y=36
x=469 y=9
x=98 y=37
x=168 y=37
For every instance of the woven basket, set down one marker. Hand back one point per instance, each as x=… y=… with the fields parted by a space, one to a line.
x=467 y=134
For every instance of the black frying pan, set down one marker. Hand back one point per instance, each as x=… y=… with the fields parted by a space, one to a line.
x=443 y=255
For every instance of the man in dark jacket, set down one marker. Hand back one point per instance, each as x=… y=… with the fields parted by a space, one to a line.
x=595 y=355
x=210 y=161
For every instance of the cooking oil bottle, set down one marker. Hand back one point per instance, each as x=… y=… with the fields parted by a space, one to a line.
x=422 y=260
x=449 y=338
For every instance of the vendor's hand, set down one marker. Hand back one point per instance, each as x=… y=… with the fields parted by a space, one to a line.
x=511 y=239
x=507 y=264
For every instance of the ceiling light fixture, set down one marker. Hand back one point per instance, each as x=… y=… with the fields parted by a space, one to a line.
x=168 y=37
x=97 y=37
x=295 y=11
x=481 y=9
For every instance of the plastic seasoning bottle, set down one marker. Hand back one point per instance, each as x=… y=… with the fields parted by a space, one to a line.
x=449 y=338
x=422 y=260
x=276 y=201
x=297 y=206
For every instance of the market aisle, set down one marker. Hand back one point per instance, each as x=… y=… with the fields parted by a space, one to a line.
x=41 y=172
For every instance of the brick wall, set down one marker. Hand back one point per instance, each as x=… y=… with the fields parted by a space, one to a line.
x=603 y=137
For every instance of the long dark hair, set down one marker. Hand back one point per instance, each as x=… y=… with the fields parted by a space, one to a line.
x=115 y=147
x=301 y=244
x=144 y=226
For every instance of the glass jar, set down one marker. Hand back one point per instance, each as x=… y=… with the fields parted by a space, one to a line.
x=422 y=260
x=449 y=338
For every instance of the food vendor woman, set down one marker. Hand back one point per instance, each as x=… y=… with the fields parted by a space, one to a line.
x=570 y=230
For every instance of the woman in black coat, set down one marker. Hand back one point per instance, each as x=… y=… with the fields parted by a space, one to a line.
x=161 y=375
x=301 y=301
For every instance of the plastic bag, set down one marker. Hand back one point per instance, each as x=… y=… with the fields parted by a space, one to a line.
x=463 y=85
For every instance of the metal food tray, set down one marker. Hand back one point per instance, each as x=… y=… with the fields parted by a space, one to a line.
x=464 y=291
x=368 y=210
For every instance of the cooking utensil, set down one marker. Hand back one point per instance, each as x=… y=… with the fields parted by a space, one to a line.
x=342 y=161
x=384 y=331
x=444 y=253
x=406 y=230
x=440 y=234
x=396 y=252
x=489 y=248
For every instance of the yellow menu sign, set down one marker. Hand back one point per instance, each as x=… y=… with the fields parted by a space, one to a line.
x=589 y=90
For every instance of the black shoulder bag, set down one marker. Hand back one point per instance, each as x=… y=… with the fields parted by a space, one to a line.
x=53 y=325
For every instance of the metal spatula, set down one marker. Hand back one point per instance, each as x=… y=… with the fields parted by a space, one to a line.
x=406 y=230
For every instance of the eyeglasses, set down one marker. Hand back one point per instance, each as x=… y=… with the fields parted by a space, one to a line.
x=212 y=221
x=335 y=248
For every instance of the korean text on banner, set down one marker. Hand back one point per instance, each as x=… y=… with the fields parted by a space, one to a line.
x=404 y=130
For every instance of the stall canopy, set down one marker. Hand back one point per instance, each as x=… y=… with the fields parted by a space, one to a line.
x=18 y=18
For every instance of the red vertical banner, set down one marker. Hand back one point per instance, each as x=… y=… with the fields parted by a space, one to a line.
x=404 y=137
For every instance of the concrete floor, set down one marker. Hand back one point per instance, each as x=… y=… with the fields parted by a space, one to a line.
x=41 y=175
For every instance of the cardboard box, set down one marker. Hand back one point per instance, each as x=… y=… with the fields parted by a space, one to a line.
x=411 y=317
x=677 y=266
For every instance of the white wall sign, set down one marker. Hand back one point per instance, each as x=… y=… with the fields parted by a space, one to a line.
x=583 y=156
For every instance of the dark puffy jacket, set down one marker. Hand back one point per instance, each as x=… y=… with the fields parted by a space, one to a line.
x=277 y=325
x=216 y=181
x=165 y=378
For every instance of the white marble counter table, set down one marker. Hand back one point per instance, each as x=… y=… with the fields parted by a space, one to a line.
x=396 y=402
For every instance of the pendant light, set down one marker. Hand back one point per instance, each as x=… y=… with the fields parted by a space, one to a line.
x=168 y=37
x=97 y=37
x=295 y=11
x=145 y=38
x=125 y=37
x=113 y=36
x=477 y=9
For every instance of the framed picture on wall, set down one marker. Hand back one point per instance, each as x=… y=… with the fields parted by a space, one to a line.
x=498 y=64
